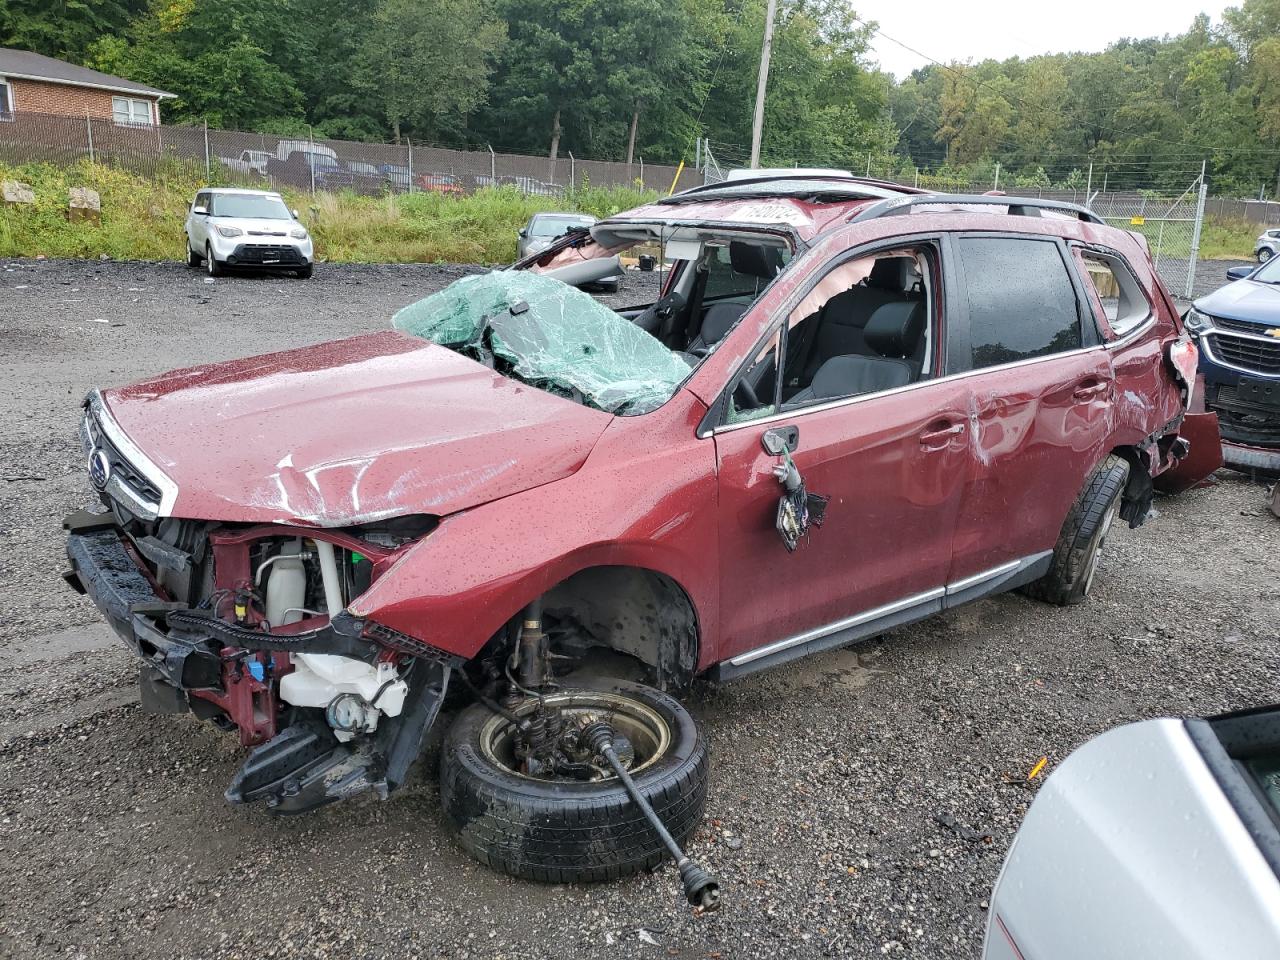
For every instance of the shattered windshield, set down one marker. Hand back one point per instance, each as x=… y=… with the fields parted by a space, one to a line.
x=548 y=334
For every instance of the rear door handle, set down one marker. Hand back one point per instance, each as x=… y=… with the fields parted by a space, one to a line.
x=1090 y=388
x=940 y=437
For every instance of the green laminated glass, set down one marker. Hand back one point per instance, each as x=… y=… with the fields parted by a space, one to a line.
x=551 y=335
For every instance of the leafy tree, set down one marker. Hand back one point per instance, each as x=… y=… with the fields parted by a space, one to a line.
x=225 y=59
x=427 y=65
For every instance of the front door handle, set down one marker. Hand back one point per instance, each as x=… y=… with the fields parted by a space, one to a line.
x=939 y=438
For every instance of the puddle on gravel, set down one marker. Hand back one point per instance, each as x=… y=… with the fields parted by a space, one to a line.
x=849 y=668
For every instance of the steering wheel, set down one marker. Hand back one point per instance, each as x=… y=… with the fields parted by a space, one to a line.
x=745 y=394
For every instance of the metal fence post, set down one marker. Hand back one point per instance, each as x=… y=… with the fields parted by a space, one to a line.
x=1088 y=187
x=917 y=178
x=1195 y=233
x=207 y=172
x=573 y=181
x=642 y=173
x=996 y=184
x=868 y=173
x=409 y=143
x=493 y=166
x=311 y=159
x=88 y=125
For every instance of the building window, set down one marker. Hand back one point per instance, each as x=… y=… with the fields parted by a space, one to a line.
x=131 y=112
x=6 y=101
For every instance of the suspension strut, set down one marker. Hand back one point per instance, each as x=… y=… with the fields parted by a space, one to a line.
x=532 y=648
x=700 y=888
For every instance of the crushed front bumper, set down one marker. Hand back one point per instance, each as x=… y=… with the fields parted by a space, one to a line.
x=221 y=671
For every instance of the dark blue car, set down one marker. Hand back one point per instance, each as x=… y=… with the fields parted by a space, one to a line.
x=1238 y=329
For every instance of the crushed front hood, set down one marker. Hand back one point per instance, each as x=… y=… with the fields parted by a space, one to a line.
x=350 y=432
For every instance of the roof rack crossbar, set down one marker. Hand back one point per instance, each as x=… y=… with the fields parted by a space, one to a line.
x=1018 y=206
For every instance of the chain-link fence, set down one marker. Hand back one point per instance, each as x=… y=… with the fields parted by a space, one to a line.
x=1171 y=224
x=310 y=163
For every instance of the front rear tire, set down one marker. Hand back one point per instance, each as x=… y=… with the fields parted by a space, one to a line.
x=570 y=832
x=1265 y=254
x=305 y=272
x=1079 y=547
x=211 y=263
x=193 y=258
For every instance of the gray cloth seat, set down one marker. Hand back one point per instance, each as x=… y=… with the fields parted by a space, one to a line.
x=892 y=335
x=841 y=323
x=716 y=322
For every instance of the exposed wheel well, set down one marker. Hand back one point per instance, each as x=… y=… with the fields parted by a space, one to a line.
x=1138 y=491
x=631 y=610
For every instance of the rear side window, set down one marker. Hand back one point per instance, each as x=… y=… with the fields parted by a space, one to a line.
x=1021 y=300
x=1114 y=292
x=725 y=280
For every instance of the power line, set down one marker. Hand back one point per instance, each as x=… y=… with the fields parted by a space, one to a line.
x=977 y=82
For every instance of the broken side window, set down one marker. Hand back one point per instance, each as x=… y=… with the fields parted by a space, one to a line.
x=550 y=335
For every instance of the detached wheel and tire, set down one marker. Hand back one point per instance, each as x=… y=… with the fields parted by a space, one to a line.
x=562 y=831
x=1075 y=556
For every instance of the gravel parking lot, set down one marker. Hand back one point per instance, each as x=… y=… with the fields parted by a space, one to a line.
x=828 y=776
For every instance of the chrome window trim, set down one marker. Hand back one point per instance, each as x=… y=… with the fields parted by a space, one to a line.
x=1207 y=347
x=860 y=398
x=1133 y=335
x=137 y=459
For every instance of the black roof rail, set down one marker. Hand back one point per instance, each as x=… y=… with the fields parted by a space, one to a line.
x=1018 y=206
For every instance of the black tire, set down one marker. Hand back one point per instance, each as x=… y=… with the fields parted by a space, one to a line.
x=1264 y=254
x=1075 y=556
x=193 y=258
x=212 y=266
x=305 y=272
x=571 y=832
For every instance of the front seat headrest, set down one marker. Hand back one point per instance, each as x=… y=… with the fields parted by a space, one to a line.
x=755 y=260
x=894 y=329
x=886 y=274
x=718 y=319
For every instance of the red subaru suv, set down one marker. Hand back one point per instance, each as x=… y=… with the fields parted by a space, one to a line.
x=848 y=406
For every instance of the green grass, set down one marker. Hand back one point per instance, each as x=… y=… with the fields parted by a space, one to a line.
x=142 y=218
x=1228 y=239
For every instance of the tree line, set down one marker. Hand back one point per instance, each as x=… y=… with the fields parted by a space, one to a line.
x=609 y=79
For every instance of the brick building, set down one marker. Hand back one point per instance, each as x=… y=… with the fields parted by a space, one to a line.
x=31 y=83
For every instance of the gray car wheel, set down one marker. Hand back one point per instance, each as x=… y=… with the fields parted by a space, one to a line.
x=1265 y=254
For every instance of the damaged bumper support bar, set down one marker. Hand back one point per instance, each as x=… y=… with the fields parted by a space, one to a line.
x=219 y=670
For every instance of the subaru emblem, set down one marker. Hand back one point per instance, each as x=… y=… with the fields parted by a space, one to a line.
x=99 y=468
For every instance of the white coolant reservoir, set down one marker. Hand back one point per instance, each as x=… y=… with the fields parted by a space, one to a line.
x=318 y=679
x=286 y=584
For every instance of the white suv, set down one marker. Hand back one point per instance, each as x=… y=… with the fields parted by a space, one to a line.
x=1268 y=245
x=246 y=228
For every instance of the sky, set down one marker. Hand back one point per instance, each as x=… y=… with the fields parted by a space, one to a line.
x=999 y=29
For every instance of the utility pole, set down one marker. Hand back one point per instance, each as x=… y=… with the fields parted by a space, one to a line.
x=757 y=124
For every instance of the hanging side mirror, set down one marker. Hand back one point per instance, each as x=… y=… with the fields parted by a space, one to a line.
x=779 y=440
